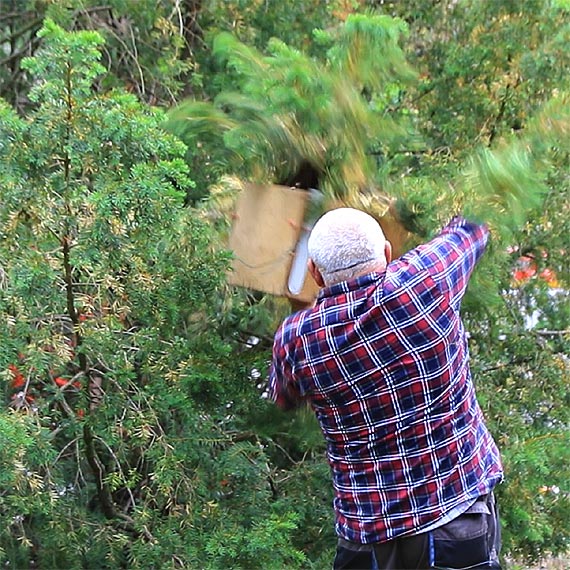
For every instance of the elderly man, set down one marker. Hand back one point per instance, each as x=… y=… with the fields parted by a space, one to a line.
x=382 y=359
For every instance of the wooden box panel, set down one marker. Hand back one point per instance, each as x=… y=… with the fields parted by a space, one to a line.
x=266 y=228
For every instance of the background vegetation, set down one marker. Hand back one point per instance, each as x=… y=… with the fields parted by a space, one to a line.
x=134 y=431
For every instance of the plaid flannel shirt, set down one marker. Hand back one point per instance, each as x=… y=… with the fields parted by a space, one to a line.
x=383 y=361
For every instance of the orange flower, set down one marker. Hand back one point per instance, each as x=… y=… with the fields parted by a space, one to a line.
x=18 y=380
x=526 y=268
x=549 y=276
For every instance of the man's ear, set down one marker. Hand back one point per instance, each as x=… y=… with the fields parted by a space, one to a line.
x=314 y=271
x=388 y=251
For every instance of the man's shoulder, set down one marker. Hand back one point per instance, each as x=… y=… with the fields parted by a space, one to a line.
x=401 y=273
x=292 y=325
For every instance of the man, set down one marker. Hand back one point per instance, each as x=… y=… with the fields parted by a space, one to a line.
x=382 y=359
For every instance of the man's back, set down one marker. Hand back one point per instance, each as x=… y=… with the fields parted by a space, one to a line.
x=383 y=361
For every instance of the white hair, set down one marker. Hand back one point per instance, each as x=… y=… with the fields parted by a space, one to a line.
x=346 y=243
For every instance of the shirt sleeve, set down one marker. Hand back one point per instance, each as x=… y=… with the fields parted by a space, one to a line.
x=451 y=257
x=283 y=386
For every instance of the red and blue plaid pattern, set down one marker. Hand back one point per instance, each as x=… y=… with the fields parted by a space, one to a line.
x=383 y=361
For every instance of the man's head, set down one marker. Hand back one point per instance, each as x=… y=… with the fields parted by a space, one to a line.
x=346 y=243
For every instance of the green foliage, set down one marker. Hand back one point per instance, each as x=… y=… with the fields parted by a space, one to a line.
x=493 y=114
x=486 y=66
x=148 y=44
x=19 y=23
x=495 y=78
x=121 y=387
x=255 y=22
x=291 y=109
x=522 y=380
x=134 y=434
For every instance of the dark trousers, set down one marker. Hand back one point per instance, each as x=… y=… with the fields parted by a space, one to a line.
x=470 y=541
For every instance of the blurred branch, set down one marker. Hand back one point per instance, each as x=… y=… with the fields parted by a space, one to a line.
x=553 y=333
x=14 y=56
x=36 y=23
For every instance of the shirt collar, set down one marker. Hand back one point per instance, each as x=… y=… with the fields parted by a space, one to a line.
x=350 y=285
